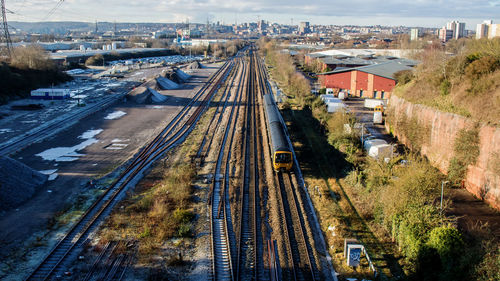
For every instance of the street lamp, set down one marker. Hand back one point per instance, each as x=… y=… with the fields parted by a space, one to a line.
x=442 y=191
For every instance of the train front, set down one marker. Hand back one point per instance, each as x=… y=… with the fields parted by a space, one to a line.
x=282 y=160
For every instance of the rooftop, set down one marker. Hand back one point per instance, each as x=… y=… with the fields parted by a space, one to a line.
x=386 y=69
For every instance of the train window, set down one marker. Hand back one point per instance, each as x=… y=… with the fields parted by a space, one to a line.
x=282 y=158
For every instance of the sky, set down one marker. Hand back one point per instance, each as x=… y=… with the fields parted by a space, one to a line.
x=424 y=13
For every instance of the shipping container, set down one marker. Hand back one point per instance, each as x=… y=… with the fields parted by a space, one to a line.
x=371 y=103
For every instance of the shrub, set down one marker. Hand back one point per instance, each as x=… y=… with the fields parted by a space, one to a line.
x=97 y=59
x=449 y=245
x=447 y=241
x=456 y=170
x=466 y=150
x=445 y=87
x=489 y=267
x=481 y=67
x=404 y=76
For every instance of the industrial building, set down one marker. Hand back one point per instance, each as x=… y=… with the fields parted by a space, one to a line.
x=50 y=94
x=372 y=81
x=339 y=61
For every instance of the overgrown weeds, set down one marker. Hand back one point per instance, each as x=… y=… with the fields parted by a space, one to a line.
x=156 y=213
x=466 y=83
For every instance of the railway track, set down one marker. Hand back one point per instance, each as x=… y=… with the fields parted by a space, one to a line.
x=299 y=252
x=66 y=249
x=51 y=128
x=239 y=255
x=220 y=218
x=247 y=246
x=302 y=261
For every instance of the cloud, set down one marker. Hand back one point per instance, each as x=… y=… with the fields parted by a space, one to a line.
x=278 y=10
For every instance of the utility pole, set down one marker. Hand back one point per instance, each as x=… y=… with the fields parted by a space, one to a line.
x=5 y=27
x=442 y=191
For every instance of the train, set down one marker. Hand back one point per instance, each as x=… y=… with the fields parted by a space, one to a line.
x=282 y=156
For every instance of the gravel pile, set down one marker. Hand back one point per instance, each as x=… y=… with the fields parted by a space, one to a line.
x=194 y=65
x=147 y=93
x=18 y=182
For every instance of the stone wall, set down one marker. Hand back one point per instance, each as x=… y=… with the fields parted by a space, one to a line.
x=483 y=178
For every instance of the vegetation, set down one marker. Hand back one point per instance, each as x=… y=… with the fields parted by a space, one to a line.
x=466 y=83
x=29 y=68
x=466 y=150
x=158 y=211
x=376 y=201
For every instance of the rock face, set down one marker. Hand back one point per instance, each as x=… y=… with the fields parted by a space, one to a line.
x=483 y=178
x=18 y=182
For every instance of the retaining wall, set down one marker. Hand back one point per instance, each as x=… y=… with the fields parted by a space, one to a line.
x=481 y=178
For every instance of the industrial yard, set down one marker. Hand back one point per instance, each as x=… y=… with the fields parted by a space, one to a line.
x=77 y=157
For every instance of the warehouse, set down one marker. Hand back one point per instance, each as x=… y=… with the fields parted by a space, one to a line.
x=372 y=81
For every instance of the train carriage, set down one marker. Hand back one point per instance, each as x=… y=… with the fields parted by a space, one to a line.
x=282 y=156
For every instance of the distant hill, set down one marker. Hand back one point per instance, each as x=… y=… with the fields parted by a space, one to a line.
x=52 y=27
x=63 y=27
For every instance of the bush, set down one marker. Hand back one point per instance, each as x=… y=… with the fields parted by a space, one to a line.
x=404 y=76
x=449 y=245
x=97 y=59
x=445 y=87
x=481 y=67
x=447 y=241
x=466 y=150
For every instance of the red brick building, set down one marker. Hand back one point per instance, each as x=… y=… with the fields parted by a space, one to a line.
x=372 y=81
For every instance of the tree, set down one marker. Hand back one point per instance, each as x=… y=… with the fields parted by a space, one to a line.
x=32 y=57
x=97 y=59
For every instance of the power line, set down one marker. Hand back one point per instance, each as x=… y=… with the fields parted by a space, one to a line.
x=5 y=27
x=51 y=12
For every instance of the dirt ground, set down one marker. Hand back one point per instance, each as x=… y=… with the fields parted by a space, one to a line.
x=27 y=226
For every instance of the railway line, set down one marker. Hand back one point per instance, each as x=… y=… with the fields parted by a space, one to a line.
x=220 y=218
x=176 y=131
x=50 y=128
x=240 y=254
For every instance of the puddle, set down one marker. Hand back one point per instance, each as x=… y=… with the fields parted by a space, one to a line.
x=68 y=154
x=116 y=146
x=2 y=131
x=115 y=115
x=155 y=106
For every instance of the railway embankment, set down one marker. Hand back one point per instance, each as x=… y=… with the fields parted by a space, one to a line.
x=18 y=182
x=465 y=150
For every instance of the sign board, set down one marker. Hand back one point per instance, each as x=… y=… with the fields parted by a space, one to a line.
x=354 y=254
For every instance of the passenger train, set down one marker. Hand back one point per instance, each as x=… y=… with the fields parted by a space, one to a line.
x=282 y=156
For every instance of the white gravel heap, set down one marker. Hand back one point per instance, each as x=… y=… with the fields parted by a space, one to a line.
x=182 y=75
x=195 y=65
x=18 y=182
x=166 y=84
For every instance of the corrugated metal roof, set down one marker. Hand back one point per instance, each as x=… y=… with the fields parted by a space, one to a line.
x=386 y=69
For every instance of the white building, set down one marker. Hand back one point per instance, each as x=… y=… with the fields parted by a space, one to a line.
x=457 y=30
x=482 y=29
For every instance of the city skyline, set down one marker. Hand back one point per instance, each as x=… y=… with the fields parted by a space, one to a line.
x=389 y=13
